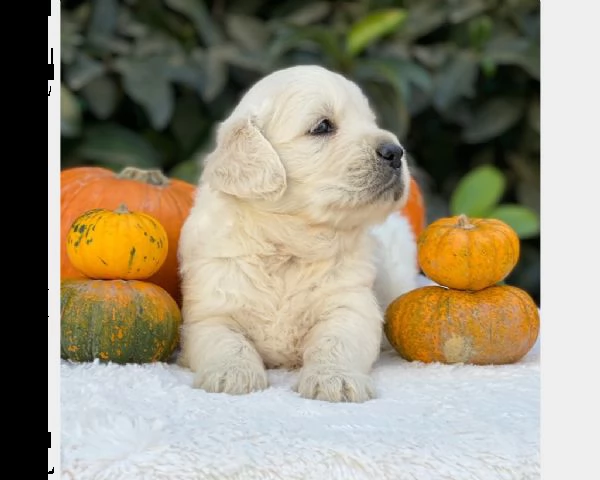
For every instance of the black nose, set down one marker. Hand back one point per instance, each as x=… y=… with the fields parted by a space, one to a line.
x=391 y=153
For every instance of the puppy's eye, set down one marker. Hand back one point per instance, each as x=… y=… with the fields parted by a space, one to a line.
x=323 y=127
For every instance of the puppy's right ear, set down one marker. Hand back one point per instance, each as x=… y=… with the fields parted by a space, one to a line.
x=245 y=164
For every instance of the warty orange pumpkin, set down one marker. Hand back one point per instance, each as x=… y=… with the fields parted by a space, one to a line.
x=467 y=253
x=150 y=191
x=496 y=325
x=122 y=321
x=112 y=244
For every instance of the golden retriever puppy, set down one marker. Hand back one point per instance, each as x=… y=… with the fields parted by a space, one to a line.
x=277 y=260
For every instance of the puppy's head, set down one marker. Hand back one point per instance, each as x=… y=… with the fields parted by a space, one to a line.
x=304 y=141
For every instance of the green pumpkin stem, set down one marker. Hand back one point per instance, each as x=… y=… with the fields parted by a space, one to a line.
x=151 y=177
x=122 y=209
x=463 y=222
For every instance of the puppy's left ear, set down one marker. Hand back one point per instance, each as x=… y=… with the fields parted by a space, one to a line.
x=245 y=164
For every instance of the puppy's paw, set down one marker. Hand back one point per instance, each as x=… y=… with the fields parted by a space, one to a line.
x=234 y=378
x=333 y=385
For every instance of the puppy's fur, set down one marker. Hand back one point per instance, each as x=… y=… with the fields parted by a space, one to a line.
x=277 y=259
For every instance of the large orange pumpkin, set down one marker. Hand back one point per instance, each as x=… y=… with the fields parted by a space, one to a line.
x=496 y=325
x=148 y=191
x=414 y=209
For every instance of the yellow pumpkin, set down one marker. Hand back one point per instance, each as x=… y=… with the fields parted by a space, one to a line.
x=467 y=254
x=117 y=244
x=496 y=325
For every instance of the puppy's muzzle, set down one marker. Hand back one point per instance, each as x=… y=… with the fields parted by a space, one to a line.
x=391 y=154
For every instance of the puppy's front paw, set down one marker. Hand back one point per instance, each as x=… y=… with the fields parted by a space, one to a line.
x=232 y=378
x=334 y=385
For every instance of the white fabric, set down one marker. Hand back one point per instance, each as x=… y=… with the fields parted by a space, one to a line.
x=430 y=422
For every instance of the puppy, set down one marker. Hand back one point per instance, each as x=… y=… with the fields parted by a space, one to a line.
x=277 y=259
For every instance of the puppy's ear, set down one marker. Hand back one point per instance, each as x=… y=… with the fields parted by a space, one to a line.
x=244 y=164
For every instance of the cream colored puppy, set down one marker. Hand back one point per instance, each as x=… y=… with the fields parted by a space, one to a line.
x=277 y=260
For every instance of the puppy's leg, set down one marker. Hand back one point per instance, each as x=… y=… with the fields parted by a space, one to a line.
x=222 y=358
x=340 y=350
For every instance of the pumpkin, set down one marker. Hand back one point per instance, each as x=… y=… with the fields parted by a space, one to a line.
x=467 y=254
x=121 y=321
x=496 y=325
x=414 y=208
x=111 y=244
x=148 y=191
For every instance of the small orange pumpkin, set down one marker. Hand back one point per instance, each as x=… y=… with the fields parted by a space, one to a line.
x=168 y=200
x=414 y=209
x=496 y=325
x=112 y=244
x=467 y=254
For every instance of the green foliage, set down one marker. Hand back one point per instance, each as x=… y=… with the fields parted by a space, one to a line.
x=145 y=82
x=478 y=195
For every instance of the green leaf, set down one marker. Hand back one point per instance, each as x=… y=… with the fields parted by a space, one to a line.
x=324 y=38
x=456 y=80
x=248 y=32
x=424 y=16
x=82 y=71
x=522 y=219
x=507 y=50
x=70 y=113
x=188 y=171
x=101 y=96
x=309 y=14
x=433 y=56
x=493 y=118
x=211 y=65
x=103 y=20
x=372 y=27
x=384 y=71
x=115 y=147
x=146 y=81
x=399 y=73
x=478 y=191
x=197 y=12
x=390 y=107
x=466 y=9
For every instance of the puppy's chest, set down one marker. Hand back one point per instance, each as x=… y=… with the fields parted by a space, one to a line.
x=292 y=281
x=288 y=293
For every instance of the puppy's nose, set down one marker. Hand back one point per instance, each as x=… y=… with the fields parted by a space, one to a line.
x=391 y=153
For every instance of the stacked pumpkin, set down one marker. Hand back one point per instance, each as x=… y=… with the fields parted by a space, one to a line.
x=119 y=272
x=468 y=317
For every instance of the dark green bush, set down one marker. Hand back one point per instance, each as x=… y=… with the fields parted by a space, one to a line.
x=145 y=81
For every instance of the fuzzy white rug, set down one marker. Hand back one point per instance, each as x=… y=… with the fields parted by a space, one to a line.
x=430 y=422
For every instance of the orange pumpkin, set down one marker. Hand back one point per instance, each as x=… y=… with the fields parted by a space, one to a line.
x=467 y=254
x=148 y=191
x=414 y=209
x=496 y=325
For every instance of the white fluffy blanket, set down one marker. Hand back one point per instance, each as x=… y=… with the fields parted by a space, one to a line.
x=429 y=422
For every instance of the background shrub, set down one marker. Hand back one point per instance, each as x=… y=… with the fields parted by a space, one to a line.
x=145 y=81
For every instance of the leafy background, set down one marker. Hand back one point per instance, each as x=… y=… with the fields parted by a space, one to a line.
x=144 y=83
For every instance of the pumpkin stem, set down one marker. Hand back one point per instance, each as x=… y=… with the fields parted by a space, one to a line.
x=122 y=209
x=463 y=222
x=151 y=177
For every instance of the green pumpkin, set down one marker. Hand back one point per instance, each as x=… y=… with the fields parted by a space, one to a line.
x=121 y=321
